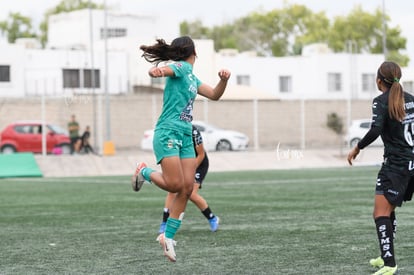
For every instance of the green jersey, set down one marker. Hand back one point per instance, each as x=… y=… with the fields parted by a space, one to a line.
x=179 y=94
x=73 y=133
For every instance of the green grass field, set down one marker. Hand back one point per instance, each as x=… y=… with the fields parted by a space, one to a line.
x=313 y=221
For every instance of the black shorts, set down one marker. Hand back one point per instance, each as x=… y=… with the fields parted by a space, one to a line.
x=396 y=183
x=201 y=171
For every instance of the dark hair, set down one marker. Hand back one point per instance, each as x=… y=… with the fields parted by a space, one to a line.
x=181 y=48
x=390 y=74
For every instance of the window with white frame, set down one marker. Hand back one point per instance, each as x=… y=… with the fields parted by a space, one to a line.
x=81 y=78
x=113 y=32
x=71 y=78
x=368 y=83
x=334 y=82
x=4 y=73
x=285 y=84
x=243 y=80
x=87 y=78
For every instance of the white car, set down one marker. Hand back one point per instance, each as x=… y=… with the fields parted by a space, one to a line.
x=146 y=141
x=214 y=138
x=357 y=131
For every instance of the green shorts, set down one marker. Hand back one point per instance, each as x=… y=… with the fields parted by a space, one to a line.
x=169 y=143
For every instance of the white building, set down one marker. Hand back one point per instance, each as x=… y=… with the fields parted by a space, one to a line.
x=75 y=29
x=26 y=71
x=12 y=60
x=317 y=76
x=66 y=65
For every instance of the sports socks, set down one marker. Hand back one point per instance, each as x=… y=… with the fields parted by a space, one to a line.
x=207 y=213
x=394 y=223
x=386 y=240
x=146 y=172
x=172 y=227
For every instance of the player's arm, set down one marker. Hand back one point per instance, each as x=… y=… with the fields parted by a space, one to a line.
x=379 y=112
x=369 y=137
x=161 y=71
x=216 y=92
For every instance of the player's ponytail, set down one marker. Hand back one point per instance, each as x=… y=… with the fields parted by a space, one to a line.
x=181 y=48
x=157 y=52
x=390 y=74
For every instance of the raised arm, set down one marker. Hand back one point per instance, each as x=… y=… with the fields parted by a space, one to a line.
x=216 y=92
x=161 y=71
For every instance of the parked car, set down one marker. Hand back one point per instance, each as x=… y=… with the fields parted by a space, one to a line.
x=214 y=138
x=357 y=131
x=217 y=139
x=26 y=136
x=146 y=141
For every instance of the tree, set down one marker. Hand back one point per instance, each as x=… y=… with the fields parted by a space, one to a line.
x=194 y=29
x=223 y=37
x=283 y=32
x=63 y=6
x=394 y=43
x=17 y=26
x=335 y=123
x=272 y=33
x=366 y=31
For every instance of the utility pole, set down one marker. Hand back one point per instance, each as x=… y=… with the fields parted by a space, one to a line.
x=384 y=31
x=91 y=49
x=107 y=99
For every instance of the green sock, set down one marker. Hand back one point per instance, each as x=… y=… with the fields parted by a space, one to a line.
x=146 y=172
x=172 y=226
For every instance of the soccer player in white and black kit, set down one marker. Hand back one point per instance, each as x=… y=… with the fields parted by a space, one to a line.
x=393 y=120
x=196 y=198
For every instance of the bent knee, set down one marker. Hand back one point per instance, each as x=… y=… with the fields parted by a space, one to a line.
x=188 y=189
x=180 y=186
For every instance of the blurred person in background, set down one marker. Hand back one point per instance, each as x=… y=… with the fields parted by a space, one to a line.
x=73 y=128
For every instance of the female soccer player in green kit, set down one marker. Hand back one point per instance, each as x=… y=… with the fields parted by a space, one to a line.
x=173 y=145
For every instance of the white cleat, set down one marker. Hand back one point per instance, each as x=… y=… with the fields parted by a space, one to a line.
x=168 y=247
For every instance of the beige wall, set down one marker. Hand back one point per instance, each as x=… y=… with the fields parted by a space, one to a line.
x=278 y=121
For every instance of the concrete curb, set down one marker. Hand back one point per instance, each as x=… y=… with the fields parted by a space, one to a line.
x=124 y=163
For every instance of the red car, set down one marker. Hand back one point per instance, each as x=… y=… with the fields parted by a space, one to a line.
x=26 y=136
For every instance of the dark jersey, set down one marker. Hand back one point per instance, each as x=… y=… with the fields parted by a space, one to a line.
x=197 y=140
x=397 y=135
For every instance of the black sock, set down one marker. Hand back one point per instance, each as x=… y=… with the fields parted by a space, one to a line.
x=207 y=213
x=394 y=223
x=385 y=238
x=165 y=215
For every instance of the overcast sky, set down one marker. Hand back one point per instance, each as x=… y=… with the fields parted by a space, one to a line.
x=216 y=12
